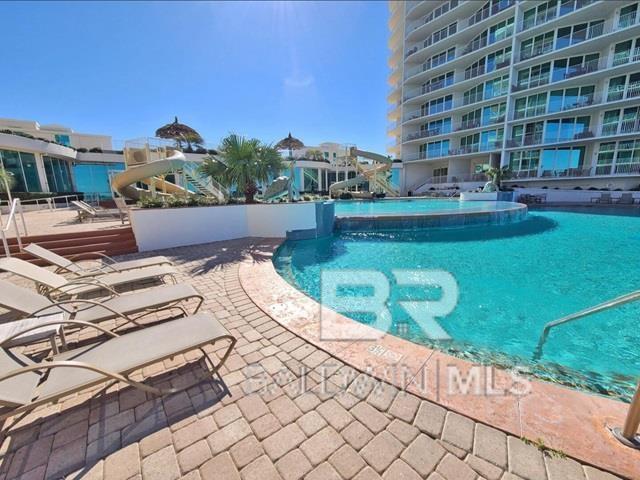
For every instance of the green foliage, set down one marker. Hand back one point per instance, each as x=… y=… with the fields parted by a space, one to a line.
x=243 y=162
x=497 y=175
x=6 y=178
x=150 y=202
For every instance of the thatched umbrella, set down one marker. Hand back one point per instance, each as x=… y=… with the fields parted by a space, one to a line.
x=180 y=133
x=290 y=143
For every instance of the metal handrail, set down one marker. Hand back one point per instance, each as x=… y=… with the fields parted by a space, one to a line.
x=16 y=208
x=627 y=435
x=628 y=298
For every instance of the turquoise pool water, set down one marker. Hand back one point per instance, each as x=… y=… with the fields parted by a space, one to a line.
x=512 y=280
x=413 y=206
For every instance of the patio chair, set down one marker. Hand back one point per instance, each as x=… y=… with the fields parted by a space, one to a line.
x=68 y=265
x=26 y=384
x=603 y=198
x=53 y=284
x=129 y=307
x=625 y=199
x=86 y=211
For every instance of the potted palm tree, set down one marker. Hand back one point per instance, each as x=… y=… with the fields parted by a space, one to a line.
x=243 y=163
x=497 y=174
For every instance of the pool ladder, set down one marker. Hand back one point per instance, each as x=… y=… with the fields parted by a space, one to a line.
x=628 y=434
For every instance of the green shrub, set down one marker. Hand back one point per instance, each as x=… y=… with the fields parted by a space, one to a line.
x=150 y=202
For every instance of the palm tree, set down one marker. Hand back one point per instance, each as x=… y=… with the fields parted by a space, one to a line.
x=243 y=162
x=7 y=181
x=314 y=155
x=497 y=174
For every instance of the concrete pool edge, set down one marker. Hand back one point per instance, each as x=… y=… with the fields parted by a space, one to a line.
x=567 y=420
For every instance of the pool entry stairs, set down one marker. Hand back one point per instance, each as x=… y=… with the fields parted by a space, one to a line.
x=115 y=241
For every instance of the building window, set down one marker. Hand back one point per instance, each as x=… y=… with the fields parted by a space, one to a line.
x=626 y=52
x=570 y=98
x=540 y=14
x=565 y=68
x=94 y=177
x=441 y=172
x=624 y=87
x=563 y=129
x=606 y=153
x=534 y=76
x=63 y=139
x=525 y=161
x=23 y=167
x=58 y=174
x=538 y=45
x=531 y=106
x=557 y=162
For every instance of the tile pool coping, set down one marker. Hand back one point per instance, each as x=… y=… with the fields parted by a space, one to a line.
x=567 y=420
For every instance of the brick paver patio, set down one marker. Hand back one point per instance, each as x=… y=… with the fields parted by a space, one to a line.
x=286 y=410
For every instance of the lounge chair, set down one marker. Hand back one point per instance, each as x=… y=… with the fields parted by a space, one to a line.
x=28 y=303
x=53 y=284
x=625 y=199
x=86 y=211
x=68 y=265
x=25 y=384
x=603 y=198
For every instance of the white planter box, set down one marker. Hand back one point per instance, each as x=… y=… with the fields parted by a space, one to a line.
x=471 y=196
x=174 y=227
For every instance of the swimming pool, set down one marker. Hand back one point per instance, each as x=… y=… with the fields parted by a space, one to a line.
x=414 y=206
x=512 y=280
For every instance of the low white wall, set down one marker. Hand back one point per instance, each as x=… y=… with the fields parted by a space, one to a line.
x=479 y=196
x=174 y=227
x=275 y=220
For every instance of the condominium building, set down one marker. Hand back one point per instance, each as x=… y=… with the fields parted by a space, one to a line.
x=550 y=89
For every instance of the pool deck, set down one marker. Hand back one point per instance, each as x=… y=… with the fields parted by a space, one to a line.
x=61 y=220
x=301 y=407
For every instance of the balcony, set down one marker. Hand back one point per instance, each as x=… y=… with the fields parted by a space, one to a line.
x=537 y=139
x=584 y=101
x=431 y=87
x=436 y=13
x=488 y=12
x=434 y=132
x=548 y=15
x=620 y=128
x=631 y=91
x=623 y=58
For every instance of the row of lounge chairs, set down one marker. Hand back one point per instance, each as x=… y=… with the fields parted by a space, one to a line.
x=623 y=199
x=58 y=305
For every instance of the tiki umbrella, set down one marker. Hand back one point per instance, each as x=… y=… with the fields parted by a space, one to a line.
x=180 y=133
x=290 y=143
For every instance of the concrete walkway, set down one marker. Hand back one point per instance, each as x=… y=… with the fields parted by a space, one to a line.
x=286 y=410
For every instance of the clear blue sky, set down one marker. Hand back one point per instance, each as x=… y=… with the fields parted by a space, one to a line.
x=260 y=69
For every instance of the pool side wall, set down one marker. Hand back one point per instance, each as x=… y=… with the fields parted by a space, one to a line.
x=435 y=220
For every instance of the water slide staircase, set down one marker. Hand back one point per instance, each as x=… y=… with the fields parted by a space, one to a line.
x=149 y=164
x=376 y=175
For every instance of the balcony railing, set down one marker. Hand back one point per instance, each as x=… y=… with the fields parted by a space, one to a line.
x=566 y=172
x=431 y=87
x=537 y=50
x=621 y=128
x=427 y=133
x=629 y=19
x=548 y=15
x=488 y=12
x=433 y=14
x=619 y=169
x=537 y=139
x=631 y=91
x=622 y=58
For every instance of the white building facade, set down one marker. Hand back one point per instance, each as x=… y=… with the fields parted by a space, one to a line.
x=550 y=89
